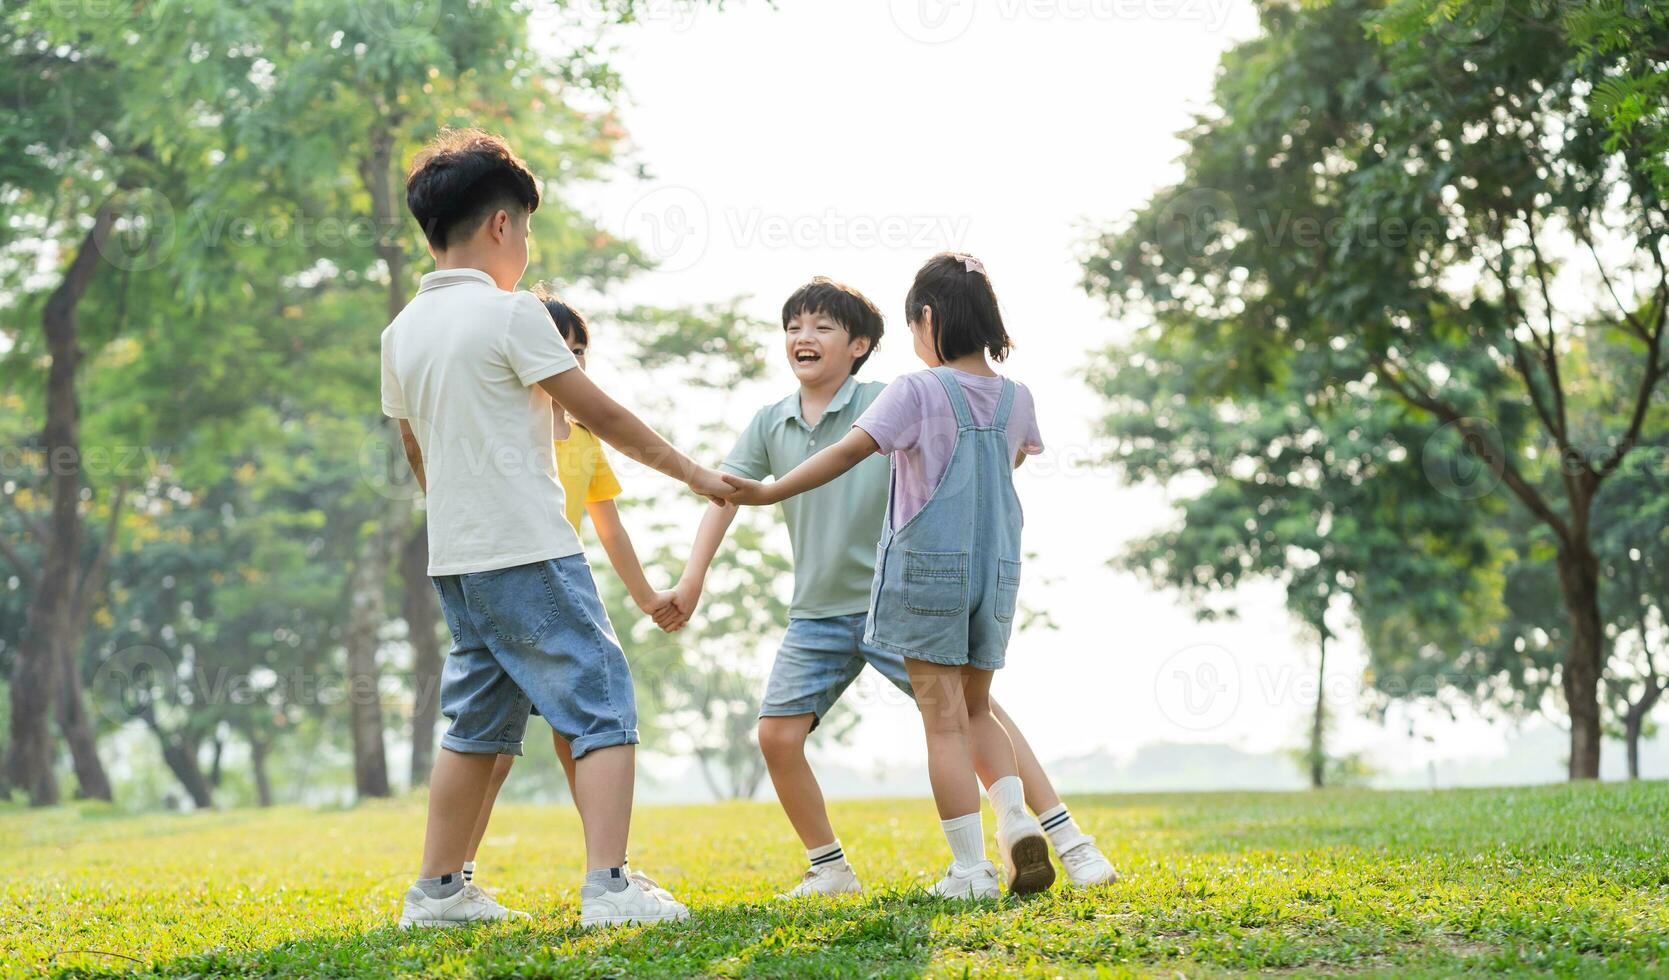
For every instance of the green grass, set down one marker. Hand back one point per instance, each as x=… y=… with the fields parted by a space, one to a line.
x=1573 y=880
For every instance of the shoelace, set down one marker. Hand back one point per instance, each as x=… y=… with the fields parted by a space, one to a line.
x=643 y=881
x=1079 y=857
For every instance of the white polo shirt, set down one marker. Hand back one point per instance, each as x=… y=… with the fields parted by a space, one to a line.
x=462 y=363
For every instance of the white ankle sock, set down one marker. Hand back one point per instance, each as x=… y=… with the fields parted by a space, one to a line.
x=828 y=854
x=966 y=835
x=1062 y=829
x=1008 y=798
x=469 y=870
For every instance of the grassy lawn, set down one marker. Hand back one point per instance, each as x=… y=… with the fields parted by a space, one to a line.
x=1570 y=880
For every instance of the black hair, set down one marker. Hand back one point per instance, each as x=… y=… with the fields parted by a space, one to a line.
x=570 y=323
x=460 y=179
x=842 y=304
x=966 y=317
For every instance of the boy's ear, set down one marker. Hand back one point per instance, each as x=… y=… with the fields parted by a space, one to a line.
x=864 y=344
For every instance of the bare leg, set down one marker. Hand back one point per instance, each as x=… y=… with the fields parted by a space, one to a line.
x=501 y=769
x=603 y=784
x=457 y=788
x=783 y=742
x=1040 y=792
x=944 y=718
x=565 y=755
x=993 y=752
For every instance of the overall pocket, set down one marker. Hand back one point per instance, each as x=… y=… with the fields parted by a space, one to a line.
x=936 y=582
x=519 y=602
x=1008 y=590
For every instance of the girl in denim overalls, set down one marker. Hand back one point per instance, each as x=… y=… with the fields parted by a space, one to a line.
x=947 y=573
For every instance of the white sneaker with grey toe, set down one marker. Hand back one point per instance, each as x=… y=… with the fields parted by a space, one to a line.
x=467 y=906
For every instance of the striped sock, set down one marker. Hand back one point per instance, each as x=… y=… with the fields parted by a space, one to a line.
x=828 y=854
x=1062 y=829
x=469 y=870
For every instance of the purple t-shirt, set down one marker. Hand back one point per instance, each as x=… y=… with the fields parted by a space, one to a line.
x=914 y=423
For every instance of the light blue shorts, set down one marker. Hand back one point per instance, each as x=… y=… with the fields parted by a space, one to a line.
x=819 y=660
x=531 y=635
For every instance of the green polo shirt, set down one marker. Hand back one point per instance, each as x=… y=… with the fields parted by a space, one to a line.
x=834 y=529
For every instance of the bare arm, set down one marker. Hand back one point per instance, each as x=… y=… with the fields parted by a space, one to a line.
x=851 y=450
x=414 y=454
x=618 y=427
x=714 y=525
x=605 y=517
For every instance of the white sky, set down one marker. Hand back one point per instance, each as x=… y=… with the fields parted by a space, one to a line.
x=828 y=137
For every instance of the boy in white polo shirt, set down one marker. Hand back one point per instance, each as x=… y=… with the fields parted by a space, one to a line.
x=479 y=377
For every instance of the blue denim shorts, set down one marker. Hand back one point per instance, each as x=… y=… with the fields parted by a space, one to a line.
x=528 y=635
x=818 y=660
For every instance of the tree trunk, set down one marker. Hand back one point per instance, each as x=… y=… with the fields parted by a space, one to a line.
x=1318 y=750
x=365 y=617
x=180 y=753
x=258 y=749
x=1631 y=735
x=50 y=621
x=77 y=727
x=1585 y=659
x=420 y=611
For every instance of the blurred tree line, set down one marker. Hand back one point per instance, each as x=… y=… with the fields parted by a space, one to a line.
x=1399 y=345
x=207 y=532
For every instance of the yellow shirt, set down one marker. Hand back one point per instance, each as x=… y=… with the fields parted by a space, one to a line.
x=584 y=471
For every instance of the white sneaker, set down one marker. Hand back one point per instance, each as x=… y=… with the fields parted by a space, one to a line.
x=1025 y=854
x=1087 y=866
x=629 y=906
x=469 y=906
x=828 y=879
x=646 y=883
x=977 y=882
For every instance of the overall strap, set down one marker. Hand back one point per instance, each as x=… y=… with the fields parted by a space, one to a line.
x=1004 y=405
x=958 y=401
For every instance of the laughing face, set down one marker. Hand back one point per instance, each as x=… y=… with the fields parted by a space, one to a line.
x=820 y=350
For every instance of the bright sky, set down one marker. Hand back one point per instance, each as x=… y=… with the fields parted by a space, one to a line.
x=856 y=139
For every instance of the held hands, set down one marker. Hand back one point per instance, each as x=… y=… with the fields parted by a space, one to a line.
x=745 y=491
x=660 y=607
x=711 y=484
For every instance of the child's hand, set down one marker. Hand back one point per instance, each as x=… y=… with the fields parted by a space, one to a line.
x=710 y=484
x=659 y=606
x=745 y=491
x=687 y=595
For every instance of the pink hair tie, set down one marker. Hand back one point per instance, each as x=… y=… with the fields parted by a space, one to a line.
x=972 y=264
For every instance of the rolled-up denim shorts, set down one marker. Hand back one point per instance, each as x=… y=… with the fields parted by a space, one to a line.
x=818 y=660
x=528 y=635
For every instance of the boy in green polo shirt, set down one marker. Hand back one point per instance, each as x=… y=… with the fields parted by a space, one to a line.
x=829 y=331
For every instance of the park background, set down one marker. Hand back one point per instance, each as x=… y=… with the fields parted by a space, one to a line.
x=221 y=270
x=1345 y=320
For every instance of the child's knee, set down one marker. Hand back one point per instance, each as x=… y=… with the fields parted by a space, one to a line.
x=783 y=738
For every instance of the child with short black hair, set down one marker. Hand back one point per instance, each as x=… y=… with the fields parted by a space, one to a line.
x=480 y=380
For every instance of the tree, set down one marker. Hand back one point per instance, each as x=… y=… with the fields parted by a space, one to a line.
x=1418 y=189
x=1307 y=488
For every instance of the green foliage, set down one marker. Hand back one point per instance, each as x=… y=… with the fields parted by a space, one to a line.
x=1563 y=880
x=1401 y=248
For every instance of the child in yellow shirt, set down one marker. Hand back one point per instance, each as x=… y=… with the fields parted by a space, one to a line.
x=589 y=487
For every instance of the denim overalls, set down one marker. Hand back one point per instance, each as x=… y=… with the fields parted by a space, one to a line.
x=946 y=583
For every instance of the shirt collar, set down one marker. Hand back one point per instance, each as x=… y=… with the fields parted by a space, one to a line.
x=452 y=277
x=838 y=402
